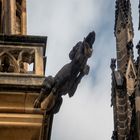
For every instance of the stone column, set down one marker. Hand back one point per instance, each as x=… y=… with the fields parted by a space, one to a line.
x=9 y=16
x=39 y=69
x=23 y=18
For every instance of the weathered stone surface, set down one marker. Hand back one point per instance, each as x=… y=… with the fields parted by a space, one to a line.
x=125 y=78
x=13 y=125
x=19 y=86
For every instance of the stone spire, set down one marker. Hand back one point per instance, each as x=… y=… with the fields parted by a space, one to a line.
x=123 y=31
x=124 y=78
x=123 y=15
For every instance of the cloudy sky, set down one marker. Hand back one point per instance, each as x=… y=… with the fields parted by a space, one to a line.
x=87 y=115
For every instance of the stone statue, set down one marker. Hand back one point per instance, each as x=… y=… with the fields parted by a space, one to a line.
x=68 y=78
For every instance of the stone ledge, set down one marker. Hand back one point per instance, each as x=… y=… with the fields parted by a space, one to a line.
x=21 y=79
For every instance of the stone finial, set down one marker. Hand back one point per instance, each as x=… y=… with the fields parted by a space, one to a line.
x=113 y=64
x=122 y=15
x=138 y=47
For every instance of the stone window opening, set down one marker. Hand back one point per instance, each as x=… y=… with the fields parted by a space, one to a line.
x=31 y=69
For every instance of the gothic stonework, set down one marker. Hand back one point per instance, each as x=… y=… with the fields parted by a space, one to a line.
x=13 y=16
x=20 y=86
x=125 y=79
x=22 y=72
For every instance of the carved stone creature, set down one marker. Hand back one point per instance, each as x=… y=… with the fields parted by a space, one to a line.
x=68 y=78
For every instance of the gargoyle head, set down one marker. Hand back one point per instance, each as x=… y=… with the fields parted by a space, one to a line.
x=88 y=42
x=90 y=38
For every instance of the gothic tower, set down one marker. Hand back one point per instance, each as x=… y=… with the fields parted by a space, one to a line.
x=22 y=72
x=13 y=16
x=125 y=79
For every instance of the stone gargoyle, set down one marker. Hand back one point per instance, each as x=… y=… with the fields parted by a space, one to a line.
x=68 y=78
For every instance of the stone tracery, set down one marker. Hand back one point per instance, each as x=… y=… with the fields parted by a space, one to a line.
x=15 y=61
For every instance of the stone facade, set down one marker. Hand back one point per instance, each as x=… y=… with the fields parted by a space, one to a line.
x=22 y=72
x=125 y=79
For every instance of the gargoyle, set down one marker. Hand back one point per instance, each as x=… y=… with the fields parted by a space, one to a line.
x=68 y=78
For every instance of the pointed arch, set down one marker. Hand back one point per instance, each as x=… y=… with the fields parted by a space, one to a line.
x=13 y=65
